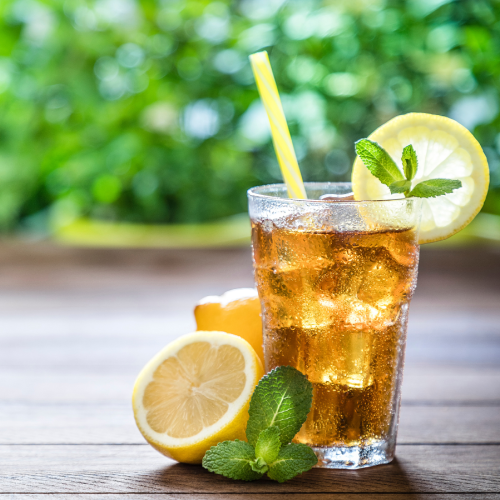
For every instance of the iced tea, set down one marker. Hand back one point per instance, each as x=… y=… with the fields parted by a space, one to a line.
x=335 y=306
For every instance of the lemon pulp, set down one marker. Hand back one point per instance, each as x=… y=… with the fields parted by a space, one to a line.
x=192 y=390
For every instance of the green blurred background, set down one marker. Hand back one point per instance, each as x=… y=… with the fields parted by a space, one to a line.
x=146 y=112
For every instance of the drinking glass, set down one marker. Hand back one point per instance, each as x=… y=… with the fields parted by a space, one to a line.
x=335 y=278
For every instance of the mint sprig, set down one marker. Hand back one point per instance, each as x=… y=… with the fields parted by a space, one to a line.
x=278 y=408
x=380 y=164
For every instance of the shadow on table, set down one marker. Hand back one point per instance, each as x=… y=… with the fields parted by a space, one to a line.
x=391 y=478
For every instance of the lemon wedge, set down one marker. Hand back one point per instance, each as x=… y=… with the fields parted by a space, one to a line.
x=236 y=311
x=195 y=393
x=445 y=149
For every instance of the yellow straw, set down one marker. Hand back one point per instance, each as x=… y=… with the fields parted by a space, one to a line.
x=281 y=135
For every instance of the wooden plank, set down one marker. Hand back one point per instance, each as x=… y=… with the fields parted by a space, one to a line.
x=445 y=424
x=423 y=384
x=253 y=496
x=32 y=275
x=95 y=358
x=137 y=469
x=452 y=279
x=114 y=424
x=64 y=424
x=465 y=339
x=445 y=385
x=120 y=339
x=49 y=267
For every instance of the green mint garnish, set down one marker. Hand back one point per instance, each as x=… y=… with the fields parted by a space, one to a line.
x=278 y=408
x=378 y=162
x=381 y=165
x=400 y=187
x=434 y=187
x=268 y=445
x=293 y=459
x=232 y=459
x=410 y=163
x=259 y=465
x=283 y=399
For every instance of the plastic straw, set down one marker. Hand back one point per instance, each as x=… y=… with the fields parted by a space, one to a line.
x=279 y=129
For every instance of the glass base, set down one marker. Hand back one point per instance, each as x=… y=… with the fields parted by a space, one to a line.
x=354 y=457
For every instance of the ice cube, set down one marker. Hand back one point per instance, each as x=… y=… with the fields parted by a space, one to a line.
x=339 y=356
x=267 y=225
x=403 y=248
x=386 y=283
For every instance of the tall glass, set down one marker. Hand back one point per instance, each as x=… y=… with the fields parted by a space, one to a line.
x=335 y=279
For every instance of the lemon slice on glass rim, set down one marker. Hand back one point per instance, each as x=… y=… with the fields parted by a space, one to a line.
x=445 y=149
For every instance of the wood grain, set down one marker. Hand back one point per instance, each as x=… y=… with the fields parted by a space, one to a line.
x=133 y=469
x=253 y=496
x=96 y=359
x=77 y=325
x=114 y=424
x=423 y=384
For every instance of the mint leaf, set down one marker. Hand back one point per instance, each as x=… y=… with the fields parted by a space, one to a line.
x=410 y=163
x=378 y=162
x=435 y=187
x=283 y=399
x=232 y=459
x=259 y=465
x=400 y=187
x=268 y=445
x=292 y=459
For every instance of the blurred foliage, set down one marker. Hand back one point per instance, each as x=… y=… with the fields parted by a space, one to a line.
x=147 y=110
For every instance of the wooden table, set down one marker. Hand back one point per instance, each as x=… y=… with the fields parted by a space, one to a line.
x=76 y=326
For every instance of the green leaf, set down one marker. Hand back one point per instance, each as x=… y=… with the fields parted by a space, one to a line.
x=232 y=459
x=410 y=163
x=283 y=399
x=400 y=187
x=292 y=459
x=378 y=162
x=259 y=465
x=435 y=187
x=268 y=445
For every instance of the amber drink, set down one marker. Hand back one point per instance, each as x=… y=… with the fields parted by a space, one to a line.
x=335 y=278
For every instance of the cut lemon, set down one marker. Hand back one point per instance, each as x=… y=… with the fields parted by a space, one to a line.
x=445 y=149
x=195 y=393
x=236 y=311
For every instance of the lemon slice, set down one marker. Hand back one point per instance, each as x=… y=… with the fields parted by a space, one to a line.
x=195 y=393
x=445 y=149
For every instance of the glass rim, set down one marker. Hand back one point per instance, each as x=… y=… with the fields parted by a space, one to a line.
x=253 y=192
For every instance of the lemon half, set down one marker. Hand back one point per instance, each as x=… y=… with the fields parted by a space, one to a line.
x=195 y=393
x=445 y=149
x=235 y=311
